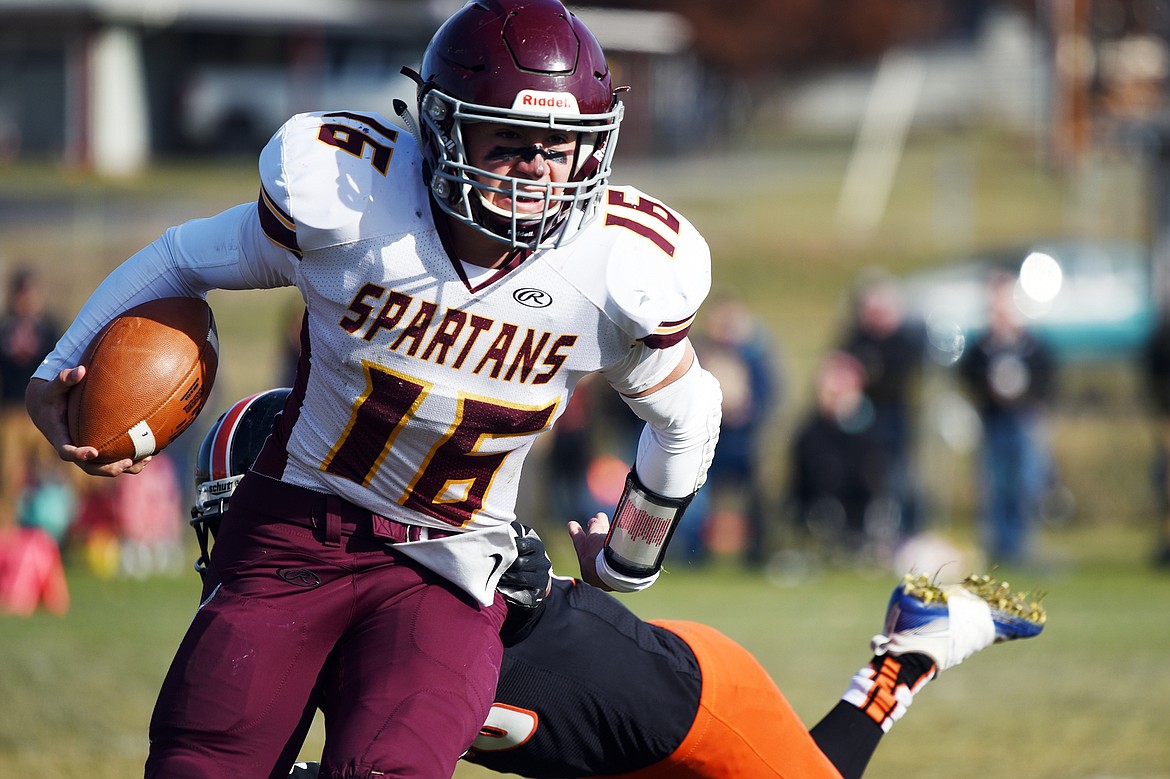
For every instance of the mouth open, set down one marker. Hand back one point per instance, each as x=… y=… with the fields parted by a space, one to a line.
x=529 y=204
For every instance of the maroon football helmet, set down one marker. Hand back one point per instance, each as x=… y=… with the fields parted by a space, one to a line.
x=528 y=63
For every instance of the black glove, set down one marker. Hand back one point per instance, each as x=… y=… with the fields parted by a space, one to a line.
x=525 y=584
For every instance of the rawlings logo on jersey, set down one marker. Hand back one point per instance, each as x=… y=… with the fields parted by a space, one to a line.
x=533 y=298
x=552 y=102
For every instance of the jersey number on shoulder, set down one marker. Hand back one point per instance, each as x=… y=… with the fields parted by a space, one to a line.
x=663 y=239
x=453 y=480
x=353 y=140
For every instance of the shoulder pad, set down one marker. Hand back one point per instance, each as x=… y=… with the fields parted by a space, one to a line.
x=659 y=271
x=334 y=177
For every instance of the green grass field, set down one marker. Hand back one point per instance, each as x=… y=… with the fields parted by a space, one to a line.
x=1086 y=699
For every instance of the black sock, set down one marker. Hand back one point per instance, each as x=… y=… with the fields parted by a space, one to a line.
x=848 y=737
x=878 y=696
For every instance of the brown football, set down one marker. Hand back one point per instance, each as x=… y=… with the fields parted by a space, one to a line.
x=148 y=374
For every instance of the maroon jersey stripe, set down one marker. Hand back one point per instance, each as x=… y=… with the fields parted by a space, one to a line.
x=276 y=224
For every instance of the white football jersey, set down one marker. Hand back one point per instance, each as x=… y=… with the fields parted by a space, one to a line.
x=425 y=389
x=422 y=391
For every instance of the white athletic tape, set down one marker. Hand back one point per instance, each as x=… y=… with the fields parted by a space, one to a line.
x=143 y=438
x=620 y=582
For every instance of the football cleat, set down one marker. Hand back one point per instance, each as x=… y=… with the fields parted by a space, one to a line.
x=949 y=623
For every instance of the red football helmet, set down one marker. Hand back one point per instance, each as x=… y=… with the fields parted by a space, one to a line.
x=528 y=63
x=225 y=455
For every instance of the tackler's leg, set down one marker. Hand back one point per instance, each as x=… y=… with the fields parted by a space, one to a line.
x=929 y=628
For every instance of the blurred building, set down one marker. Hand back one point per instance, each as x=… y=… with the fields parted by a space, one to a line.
x=109 y=84
x=995 y=71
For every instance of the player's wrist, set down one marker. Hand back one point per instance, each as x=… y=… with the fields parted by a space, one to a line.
x=643 y=524
x=619 y=582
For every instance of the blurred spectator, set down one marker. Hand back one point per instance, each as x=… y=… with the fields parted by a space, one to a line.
x=735 y=347
x=27 y=333
x=31 y=573
x=50 y=504
x=568 y=456
x=891 y=347
x=134 y=526
x=151 y=513
x=837 y=486
x=34 y=488
x=1009 y=373
x=1156 y=367
x=596 y=434
x=590 y=451
x=9 y=137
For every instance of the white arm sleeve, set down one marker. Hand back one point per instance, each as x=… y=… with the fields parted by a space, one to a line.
x=642 y=367
x=226 y=251
x=682 y=428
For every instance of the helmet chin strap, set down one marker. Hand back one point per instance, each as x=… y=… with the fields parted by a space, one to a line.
x=403 y=112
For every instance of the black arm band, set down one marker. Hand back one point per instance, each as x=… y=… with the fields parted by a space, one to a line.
x=643 y=523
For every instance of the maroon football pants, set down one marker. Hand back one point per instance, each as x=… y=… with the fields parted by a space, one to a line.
x=407 y=663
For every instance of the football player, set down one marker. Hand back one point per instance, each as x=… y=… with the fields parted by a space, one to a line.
x=588 y=689
x=461 y=271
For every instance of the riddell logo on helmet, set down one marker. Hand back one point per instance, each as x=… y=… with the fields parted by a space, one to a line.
x=552 y=102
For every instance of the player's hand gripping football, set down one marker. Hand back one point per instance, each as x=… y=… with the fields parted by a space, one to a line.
x=48 y=407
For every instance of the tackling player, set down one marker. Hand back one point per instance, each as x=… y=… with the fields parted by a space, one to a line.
x=461 y=273
x=588 y=689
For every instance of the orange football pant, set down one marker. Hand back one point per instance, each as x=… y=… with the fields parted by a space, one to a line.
x=744 y=727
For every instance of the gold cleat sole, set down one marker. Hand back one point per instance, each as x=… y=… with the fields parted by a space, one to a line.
x=1004 y=603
